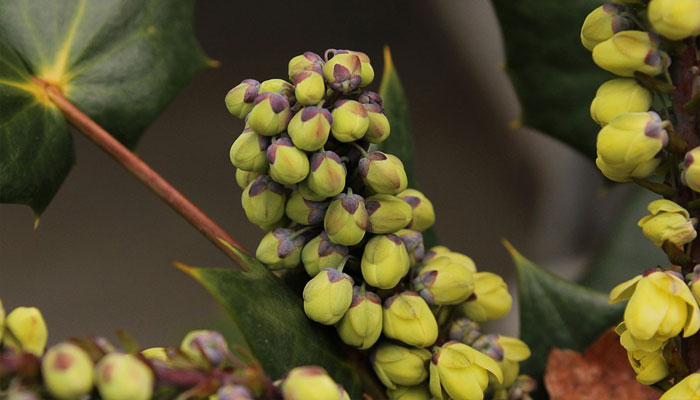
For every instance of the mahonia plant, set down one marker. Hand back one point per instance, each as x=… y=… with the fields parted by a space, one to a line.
x=650 y=135
x=203 y=367
x=334 y=204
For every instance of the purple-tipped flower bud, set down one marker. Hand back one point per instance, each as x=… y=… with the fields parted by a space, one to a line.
x=306 y=192
x=350 y=121
x=249 y=151
x=408 y=318
x=399 y=365
x=490 y=299
x=308 y=61
x=288 y=164
x=384 y=261
x=244 y=178
x=387 y=213
x=379 y=127
x=369 y=97
x=423 y=213
x=362 y=323
x=233 y=392
x=270 y=114
x=443 y=282
x=383 y=173
x=278 y=86
x=310 y=127
x=305 y=212
x=310 y=383
x=327 y=174
x=123 y=376
x=67 y=371
x=321 y=253
x=413 y=240
x=327 y=296
x=602 y=23
x=466 y=331
x=239 y=100
x=263 y=201
x=691 y=170
x=343 y=72
x=309 y=87
x=346 y=219
x=205 y=347
x=280 y=248
x=367 y=72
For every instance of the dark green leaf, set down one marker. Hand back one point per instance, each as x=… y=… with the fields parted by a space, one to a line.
x=552 y=72
x=400 y=141
x=272 y=319
x=626 y=251
x=557 y=313
x=119 y=61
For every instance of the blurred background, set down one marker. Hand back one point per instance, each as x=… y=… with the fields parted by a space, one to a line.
x=101 y=257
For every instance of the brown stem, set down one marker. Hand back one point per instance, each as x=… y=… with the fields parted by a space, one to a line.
x=143 y=172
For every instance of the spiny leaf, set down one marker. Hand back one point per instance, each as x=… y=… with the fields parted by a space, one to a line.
x=400 y=141
x=119 y=61
x=273 y=322
x=552 y=72
x=557 y=313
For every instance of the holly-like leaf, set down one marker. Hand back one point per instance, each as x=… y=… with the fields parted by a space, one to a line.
x=552 y=72
x=626 y=251
x=271 y=318
x=119 y=61
x=400 y=141
x=557 y=313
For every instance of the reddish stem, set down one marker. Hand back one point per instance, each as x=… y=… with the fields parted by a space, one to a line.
x=143 y=172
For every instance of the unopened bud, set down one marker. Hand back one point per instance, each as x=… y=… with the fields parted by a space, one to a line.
x=245 y=178
x=444 y=282
x=630 y=51
x=346 y=219
x=343 y=72
x=278 y=86
x=309 y=87
x=233 y=392
x=350 y=121
x=321 y=253
x=67 y=371
x=490 y=299
x=668 y=222
x=675 y=19
x=384 y=261
x=423 y=213
x=249 y=152
x=399 y=365
x=310 y=383
x=205 y=347
x=288 y=164
x=387 y=213
x=310 y=127
x=619 y=96
x=308 y=61
x=413 y=240
x=280 y=248
x=379 y=127
x=691 y=170
x=327 y=296
x=263 y=201
x=28 y=331
x=270 y=114
x=239 y=100
x=408 y=318
x=383 y=173
x=601 y=24
x=361 y=325
x=305 y=212
x=123 y=377
x=327 y=174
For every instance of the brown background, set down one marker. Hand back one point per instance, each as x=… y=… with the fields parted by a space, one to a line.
x=100 y=260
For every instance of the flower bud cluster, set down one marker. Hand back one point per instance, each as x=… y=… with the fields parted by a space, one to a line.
x=202 y=367
x=342 y=210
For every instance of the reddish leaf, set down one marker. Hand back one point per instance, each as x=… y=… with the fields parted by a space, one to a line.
x=602 y=372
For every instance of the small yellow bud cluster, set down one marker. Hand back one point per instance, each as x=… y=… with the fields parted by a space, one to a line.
x=202 y=367
x=345 y=213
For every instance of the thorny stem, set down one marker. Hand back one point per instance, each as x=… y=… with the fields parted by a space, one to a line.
x=143 y=172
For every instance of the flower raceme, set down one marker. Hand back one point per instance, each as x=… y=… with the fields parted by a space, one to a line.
x=660 y=306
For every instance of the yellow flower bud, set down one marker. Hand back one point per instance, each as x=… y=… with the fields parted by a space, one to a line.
x=628 y=146
x=602 y=23
x=239 y=100
x=423 y=213
x=343 y=72
x=387 y=214
x=310 y=127
x=327 y=174
x=310 y=383
x=461 y=371
x=630 y=343
x=629 y=51
x=350 y=121
x=346 y=219
x=367 y=72
x=691 y=170
x=309 y=61
x=444 y=282
x=270 y=114
x=244 y=178
x=205 y=347
x=303 y=187
x=248 y=152
x=379 y=127
x=233 y=392
x=619 y=96
x=668 y=221
x=510 y=352
x=67 y=371
x=413 y=240
x=383 y=173
x=362 y=323
x=675 y=19
x=305 y=212
x=408 y=318
x=384 y=261
x=26 y=331
x=123 y=377
x=649 y=367
x=327 y=296
x=686 y=389
x=288 y=164
x=280 y=248
x=321 y=253
x=436 y=251
x=660 y=306
x=418 y=392
x=277 y=86
x=490 y=299
x=309 y=87
x=263 y=201
x=399 y=365
x=155 y=353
